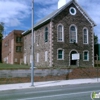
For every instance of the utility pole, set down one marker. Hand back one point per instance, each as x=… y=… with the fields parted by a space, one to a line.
x=32 y=50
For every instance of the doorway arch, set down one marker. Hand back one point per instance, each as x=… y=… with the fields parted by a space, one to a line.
x=73 y=62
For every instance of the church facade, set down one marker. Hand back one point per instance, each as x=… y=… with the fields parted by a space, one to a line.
x=65 y=38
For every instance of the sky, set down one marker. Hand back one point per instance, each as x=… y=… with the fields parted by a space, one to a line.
x=17 y=14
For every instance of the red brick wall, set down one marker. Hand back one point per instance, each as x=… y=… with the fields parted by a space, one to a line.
x=84 y=73
x=7 y=50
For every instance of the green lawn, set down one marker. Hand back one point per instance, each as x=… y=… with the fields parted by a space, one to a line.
x=14 y=66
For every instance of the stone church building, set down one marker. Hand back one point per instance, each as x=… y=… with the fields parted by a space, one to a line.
x=65 y=38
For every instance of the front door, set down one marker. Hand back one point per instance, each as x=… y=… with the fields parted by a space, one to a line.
x=73 y=62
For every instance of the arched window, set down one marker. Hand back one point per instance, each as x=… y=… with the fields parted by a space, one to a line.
x=73 y=34
x=85 y=36
x=60 y=37
x=46 y=34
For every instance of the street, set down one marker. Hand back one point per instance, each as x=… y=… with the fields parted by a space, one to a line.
x=68 y=92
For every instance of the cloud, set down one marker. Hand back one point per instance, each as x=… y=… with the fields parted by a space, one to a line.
x=13 y=11
x=47 y=2
x=92 y=7
x=43 y=9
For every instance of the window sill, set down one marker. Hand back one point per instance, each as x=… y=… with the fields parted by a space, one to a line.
x=19 y=51
x=85 y=60
x=60 y=59
x=19 y=42
x=60 y=41
x=86 y=43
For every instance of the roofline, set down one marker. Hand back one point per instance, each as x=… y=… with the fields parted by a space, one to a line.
x=26 y=32
x=66 y=5
x=59 y=10
x=35 y=27
x=84 y=13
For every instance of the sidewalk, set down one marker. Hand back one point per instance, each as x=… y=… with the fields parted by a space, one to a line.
x=48 y=84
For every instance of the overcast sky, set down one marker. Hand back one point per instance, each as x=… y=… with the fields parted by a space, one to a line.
x=16 y=14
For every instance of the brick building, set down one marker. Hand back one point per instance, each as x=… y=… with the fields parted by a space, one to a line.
x=12 y=45
x=64 y=38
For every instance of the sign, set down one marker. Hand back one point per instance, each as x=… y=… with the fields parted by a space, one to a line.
x=95 y=95
x=76 y=56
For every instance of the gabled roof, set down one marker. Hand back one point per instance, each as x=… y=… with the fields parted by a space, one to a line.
x=56 y=12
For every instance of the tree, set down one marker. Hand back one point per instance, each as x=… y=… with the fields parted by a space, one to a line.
x=95 y=39
x=1 y=35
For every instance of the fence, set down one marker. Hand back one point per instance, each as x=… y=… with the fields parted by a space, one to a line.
x=97 y=61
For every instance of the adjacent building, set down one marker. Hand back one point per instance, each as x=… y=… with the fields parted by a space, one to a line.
x=12 y=48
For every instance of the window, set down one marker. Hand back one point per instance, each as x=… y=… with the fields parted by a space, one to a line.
x=6 y=44
x=18 y=48
x=85 y=36
x=73 y=34
x=16 y=60
x=18 y=39
x=60 y=33
x=46 y=55
x=86 y=55
x=37 y=39
x=72 y=11
x=37 y=57
x=60 y=54
x=46 y=34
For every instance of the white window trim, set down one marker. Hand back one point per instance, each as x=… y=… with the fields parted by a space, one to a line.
x=46 y=56
x=87 y=35
x=62 y=54
x=62 y=33
x=37 y=57
x=88 y=55
x=31 y=59
x=71 y=12
x=76 y=33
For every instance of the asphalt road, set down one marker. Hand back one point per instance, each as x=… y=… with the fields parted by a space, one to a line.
x=69 y=92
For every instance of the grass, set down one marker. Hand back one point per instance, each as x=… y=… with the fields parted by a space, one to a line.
x=13 y=66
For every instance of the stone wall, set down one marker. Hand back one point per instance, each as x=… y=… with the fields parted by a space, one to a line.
x=52 y=74
x=40 y=46
x=37 y=73
x=66 y=19
x=27 y=48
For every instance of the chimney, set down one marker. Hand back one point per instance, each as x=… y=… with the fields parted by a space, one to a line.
x=61 y=3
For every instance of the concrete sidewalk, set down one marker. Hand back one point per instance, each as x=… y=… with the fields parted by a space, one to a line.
x=48 y=84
